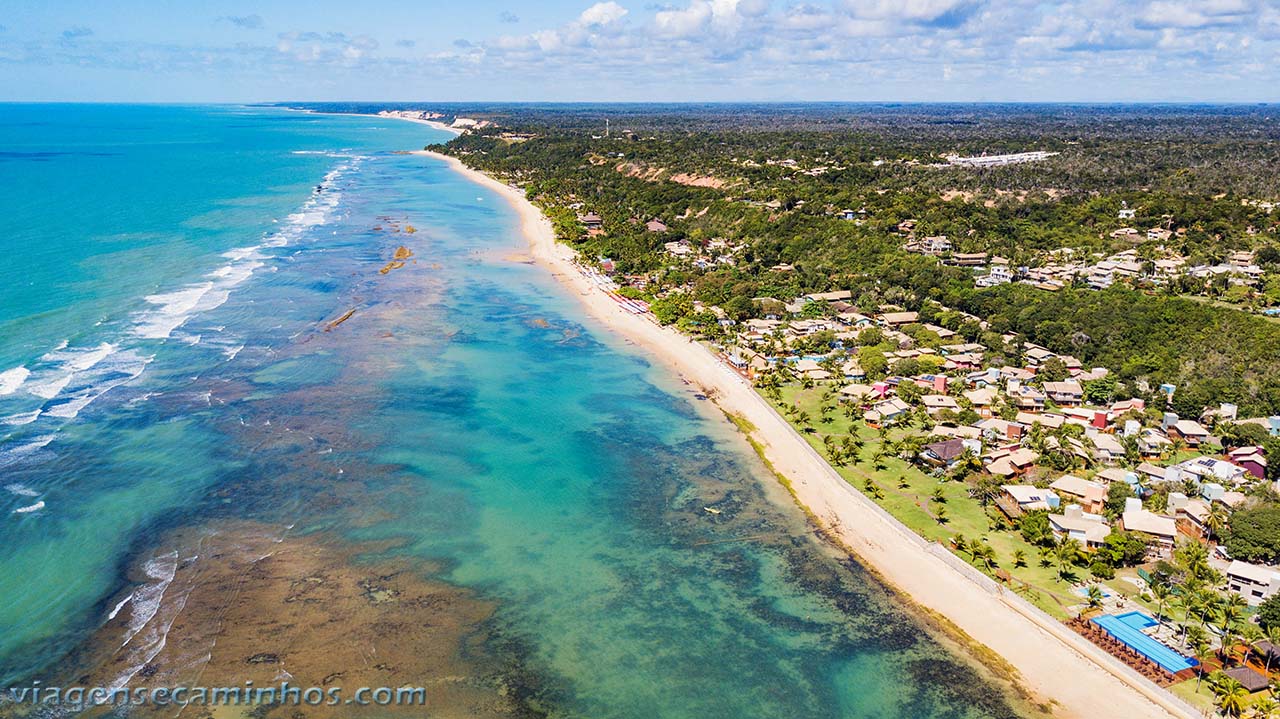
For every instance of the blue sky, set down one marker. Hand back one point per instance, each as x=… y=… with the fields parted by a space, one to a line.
x=683 y=50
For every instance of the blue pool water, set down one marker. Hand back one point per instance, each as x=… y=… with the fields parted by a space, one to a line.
x=1128 y=628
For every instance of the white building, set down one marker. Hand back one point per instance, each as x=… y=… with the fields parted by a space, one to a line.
x=1090 y=530
x=1253 y=582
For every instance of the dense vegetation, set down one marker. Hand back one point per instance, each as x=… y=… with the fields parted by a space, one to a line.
x=1212 y=354
x=782 y=172
x=772 y=178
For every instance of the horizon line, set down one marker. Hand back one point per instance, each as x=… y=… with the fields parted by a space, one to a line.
x=260 y=103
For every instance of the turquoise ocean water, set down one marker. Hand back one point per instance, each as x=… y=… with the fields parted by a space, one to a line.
x=170 y=284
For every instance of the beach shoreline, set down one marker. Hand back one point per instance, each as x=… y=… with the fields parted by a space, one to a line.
x=429 y=123
x=420 y=121
x=1055 y=665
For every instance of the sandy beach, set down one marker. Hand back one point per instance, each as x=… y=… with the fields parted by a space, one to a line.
x=420 y=121
x=1057 y=666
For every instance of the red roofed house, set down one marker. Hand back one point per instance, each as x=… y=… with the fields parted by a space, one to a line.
x=1252 y=459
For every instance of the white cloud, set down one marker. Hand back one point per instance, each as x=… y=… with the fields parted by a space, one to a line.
x=602 y=13
x=591 y=27
x=1197 y=14
x=918 y=11
x=787 y=49
x=724 y=16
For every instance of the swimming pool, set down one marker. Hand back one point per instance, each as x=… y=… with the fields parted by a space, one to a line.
x=1128 y=628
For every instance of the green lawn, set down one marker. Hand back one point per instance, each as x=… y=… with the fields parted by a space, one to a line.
x=906 y=492
x=1186 y=691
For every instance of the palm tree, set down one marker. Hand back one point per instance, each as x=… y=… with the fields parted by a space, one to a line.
x=1046 y=557
x=1208 y=602
x=1235 y=604
x=1200 y=646
x=1162 y=591
x=1194 y=556
x=1066 y=552
x=983 y=554
x=1094 y=595
x=853 y=455
x=1273 y=635
x=1252 y=636
x=1192 y=605
x=1265 y=707
x=825 y=411
x=968 y=463
x=1219 y=516
x=1228 y=638
x=986 y=489
x=1019 y=558
x=877 y=461
x=1194 y=636
x=1231 y=694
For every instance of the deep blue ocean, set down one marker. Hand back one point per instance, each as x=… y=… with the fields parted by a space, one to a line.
x=238 y=441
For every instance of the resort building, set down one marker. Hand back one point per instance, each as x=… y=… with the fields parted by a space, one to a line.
x=1016 y=500
x=887 y=412
x=1106 y=448
x=1091 y=496
x=1252 y=459
x=948 y=451
x=1006 y=463
x=1253 y=582
x=1161 y=530
x=1068 y=393
x=935 y=403
x=1189 y=431
x=1090 y=530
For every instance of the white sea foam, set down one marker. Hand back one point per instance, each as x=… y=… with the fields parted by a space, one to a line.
x=148 y=629
x=119 y=606
x=11 y=379
x=70 y=406
x=93 y=383
x=66 y=365
x=160 y=571
x=77 y=360
x=30 y=508
x=21 y=418
x=173 y=309
x=21 y=490
x=9 y=455
x=50 y=388
x=69 y=378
